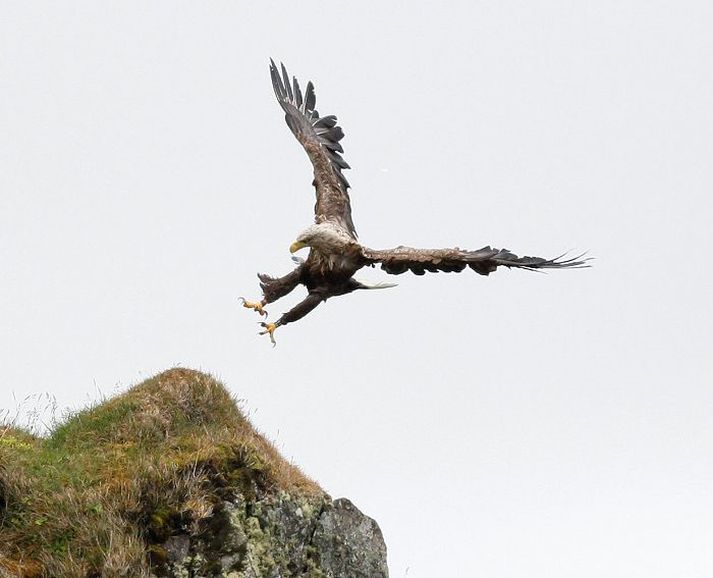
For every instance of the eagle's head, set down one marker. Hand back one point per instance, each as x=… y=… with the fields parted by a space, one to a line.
x=324 y=237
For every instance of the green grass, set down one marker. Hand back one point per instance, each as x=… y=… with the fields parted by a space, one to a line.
x=94 y=496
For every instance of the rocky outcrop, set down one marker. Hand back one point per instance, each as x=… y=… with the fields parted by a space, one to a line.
x=278 y=537
x=170 y=479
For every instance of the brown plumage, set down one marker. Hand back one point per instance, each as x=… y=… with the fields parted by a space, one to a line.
x=335 y=254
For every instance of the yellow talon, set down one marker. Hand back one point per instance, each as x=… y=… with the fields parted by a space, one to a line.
x=255 y=305
x=269 y=330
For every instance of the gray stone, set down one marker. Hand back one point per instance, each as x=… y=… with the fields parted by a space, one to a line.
x=281 y=536
x=349 y=544
x=177 y=547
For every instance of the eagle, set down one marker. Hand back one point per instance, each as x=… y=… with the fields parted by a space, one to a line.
x=335 y=253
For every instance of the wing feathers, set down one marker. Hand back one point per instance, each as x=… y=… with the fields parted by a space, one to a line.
x=286 y=80
x=328 y=121
x=483 y=261
x=298 y=94
x=310 y=98
x=320 y=137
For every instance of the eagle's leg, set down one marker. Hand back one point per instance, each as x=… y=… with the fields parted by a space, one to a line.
x=297 y=312
x=255 y=305
x=273 y=289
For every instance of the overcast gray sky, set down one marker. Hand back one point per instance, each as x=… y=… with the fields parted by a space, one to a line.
x=521 y=425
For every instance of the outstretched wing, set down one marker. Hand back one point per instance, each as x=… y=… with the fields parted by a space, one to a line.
x=483 y=261
x=320 y=137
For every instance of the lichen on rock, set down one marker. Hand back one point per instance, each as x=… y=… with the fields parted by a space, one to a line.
x=281 y=536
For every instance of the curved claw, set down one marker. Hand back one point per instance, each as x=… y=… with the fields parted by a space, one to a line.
x=254 y=305
x=269 y=330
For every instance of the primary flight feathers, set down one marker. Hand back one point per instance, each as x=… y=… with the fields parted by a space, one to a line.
x=320 y=137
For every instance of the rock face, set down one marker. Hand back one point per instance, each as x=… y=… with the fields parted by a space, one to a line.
x=278 y=537
x=348 y=543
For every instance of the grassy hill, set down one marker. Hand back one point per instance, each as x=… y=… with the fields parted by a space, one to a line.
x=100 y=494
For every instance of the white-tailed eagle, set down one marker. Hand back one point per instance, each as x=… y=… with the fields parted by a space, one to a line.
x=335 y=254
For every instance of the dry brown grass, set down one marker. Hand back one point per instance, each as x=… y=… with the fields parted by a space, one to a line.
x=90 y=499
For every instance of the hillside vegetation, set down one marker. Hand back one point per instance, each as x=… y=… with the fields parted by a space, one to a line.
x=101 y=493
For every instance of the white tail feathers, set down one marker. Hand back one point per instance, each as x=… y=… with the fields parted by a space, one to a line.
x=378 y=286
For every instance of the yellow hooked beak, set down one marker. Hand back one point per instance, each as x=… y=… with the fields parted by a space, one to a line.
x=296 y=246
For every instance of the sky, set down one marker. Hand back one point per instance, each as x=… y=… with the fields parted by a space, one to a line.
x=520 y=425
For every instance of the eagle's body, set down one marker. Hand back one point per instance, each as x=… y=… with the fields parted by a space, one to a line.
x=335 y=253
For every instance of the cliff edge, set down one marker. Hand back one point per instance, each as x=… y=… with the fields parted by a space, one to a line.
x=170 y=479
